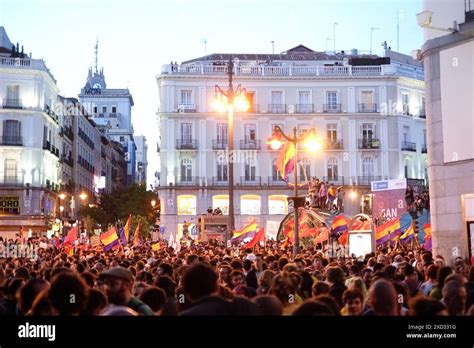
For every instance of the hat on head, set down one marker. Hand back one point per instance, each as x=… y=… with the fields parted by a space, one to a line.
x=118 y=272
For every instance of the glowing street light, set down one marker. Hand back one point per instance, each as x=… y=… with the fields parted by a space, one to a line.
x=353 y=194
x=61 y=208
x=309 y=142
x=83 y=196
x=62 y=196
x=153 y=203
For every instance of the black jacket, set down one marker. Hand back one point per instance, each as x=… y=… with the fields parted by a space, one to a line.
x=251 y=279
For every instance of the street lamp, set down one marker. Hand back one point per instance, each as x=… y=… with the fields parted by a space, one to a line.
x=309 y=142
x=232 y=98
x=83 y=196
x=153 y=203
x=62 y=196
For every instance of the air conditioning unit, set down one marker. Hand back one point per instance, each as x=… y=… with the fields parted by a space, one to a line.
x=291 y=109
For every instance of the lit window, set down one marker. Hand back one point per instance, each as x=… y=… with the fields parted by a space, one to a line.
x=221 y=202
x=250 y=205
x=277 y=204
x=187 y=205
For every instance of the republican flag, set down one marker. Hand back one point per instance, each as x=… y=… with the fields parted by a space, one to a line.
x=322 y=237
x=259 y=237
x=339 y=225
x=246 y=232
x=388 y=231
x=135 y=237
x=71 y=236
x=109 y=239
x=285 y=162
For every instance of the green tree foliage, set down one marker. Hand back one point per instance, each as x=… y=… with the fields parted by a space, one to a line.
x=134 y=199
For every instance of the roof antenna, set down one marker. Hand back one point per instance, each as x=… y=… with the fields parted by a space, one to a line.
x=96 y=55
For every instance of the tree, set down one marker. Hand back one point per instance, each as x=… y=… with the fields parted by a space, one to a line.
x=145 y=230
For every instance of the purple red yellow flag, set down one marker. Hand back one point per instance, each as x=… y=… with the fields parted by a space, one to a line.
x=388 y=231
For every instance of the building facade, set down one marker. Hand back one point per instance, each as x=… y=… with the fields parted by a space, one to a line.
x=142 y=162
x=30 y=142
x=114 y=106
x=368 y=110
x=448 y=58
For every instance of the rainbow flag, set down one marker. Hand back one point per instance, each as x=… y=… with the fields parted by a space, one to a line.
x=285 y=162
x=339 y=225
x=428 y=242
x=109 y=239
x=388 y=231
x=409 y=233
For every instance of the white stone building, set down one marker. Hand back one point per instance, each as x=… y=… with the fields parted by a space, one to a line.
x=29 y=142
x=141 y=159
x=369 y=111
x=448 y=58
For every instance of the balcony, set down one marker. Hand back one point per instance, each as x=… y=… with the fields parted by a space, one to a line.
x=55 y=151
x=304 y=108
x=424 y=148
x=11 y=141
x=368 y=144
x=332 y=108
x=367 y=107
x=12 y=103
x=468 y=11
x=276 y=181
x=406 y=110
x=334 y=145
x=51 y=113
x=277 y=108
x=11 y=181
x=422 y=113
x=187 y=181
x=68 y=133
x=366 y=180
x=250 y=144
x=220 y=180
x=250 y=180
x=219 y=144
x=335 y=180
x=186 y=144
x=68 y=160
x=408 y=146
x=184 y=108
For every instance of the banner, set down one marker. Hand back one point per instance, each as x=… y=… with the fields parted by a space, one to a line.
x=388 y=199
x=95 y=240
x=272 y=229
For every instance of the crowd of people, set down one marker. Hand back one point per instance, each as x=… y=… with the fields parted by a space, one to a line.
x=207 y=278
x=326 y=196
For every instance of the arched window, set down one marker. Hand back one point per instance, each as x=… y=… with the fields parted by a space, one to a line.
x=186 y=170
x=186 y=205
x=368 y=167
x=221 y=202
x=250 y=205
x=277 y=204
x=332 y=169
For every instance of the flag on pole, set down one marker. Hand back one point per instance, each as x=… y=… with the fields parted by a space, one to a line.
x=388 y=231
x=409 y=233
x=428 y=241
x=71 y=236
x=135 y=237
x=109 y=239
x=259 y=237
x=285 y=163
x=127 y=228
x=339 y=225
x=247 y=231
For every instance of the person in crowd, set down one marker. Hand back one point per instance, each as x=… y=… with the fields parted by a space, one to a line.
x=426 y=307
x=155 y=298
x=353 y=302
x=382 y=299
x=454 y=297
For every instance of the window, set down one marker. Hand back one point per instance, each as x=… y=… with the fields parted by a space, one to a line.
x=332 y=169
x=250 y=205
x=13 y=96
x=331 y=100
x=275 y=173
x=277 y=105
x=422 y=109
x=304 y=102
x=305 y=169
x=406 y=133
x=114 y=109
x=250 y=133
x=186 y=170
x=186 y=97
x=104 y=109
x=367 y=167
x=277 y=204
x=424 y=137
x=332 y=133
x=95 y=109
x=406 y=110
x=367 y=98
x=222 y=133
x=222 y=202
x=250 y=171
x=368 y=131
x=11 y=132
x=122 y=138
x=187 y=205
x=222 y=172
x=277 y=97
x=186 y=132
x=11 y=170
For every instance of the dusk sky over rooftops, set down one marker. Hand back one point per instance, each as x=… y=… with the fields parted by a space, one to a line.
x=136 y=38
